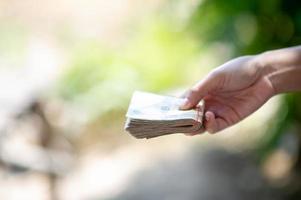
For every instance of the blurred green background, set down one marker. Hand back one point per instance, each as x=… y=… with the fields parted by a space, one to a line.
x=68 y=70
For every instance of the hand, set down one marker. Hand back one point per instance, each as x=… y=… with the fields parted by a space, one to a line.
x=231 y=92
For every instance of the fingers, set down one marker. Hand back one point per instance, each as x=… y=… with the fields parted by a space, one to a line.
x=197 y=92
x=209 y=122
x=214 y=124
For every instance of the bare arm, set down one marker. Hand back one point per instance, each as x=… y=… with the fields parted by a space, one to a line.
x=236 y=89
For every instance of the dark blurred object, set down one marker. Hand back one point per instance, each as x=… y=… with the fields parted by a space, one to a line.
x=37 y=154
x=28 y=143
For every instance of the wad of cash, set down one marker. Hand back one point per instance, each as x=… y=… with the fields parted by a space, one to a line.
x=151 y=115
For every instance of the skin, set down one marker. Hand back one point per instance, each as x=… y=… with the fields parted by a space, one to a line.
x=236 y=89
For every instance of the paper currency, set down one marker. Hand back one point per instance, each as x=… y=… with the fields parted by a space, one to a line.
x=151 y=115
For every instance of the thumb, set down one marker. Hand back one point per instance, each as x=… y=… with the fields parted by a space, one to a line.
x=199 y=91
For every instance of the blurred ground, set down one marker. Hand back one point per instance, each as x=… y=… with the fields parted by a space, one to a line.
x=215 y=174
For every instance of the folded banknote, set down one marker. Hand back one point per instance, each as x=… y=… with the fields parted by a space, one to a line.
x=151 y=115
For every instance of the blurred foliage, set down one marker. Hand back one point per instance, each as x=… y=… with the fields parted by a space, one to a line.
x=248 y=26
x=155 y=57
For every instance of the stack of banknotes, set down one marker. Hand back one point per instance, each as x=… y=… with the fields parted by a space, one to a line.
x=151 y=115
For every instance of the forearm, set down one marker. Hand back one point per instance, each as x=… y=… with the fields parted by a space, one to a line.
x=283 y=69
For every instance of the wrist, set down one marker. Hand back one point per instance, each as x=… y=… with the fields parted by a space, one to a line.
x=265 y=70
x=281 y=68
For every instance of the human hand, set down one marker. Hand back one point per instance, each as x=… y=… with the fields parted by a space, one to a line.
x=231 y=92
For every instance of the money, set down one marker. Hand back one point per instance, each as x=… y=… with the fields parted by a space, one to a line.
x=151 y=115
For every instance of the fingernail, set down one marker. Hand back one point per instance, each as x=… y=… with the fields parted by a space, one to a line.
x=207 y=116
x=186 y=104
